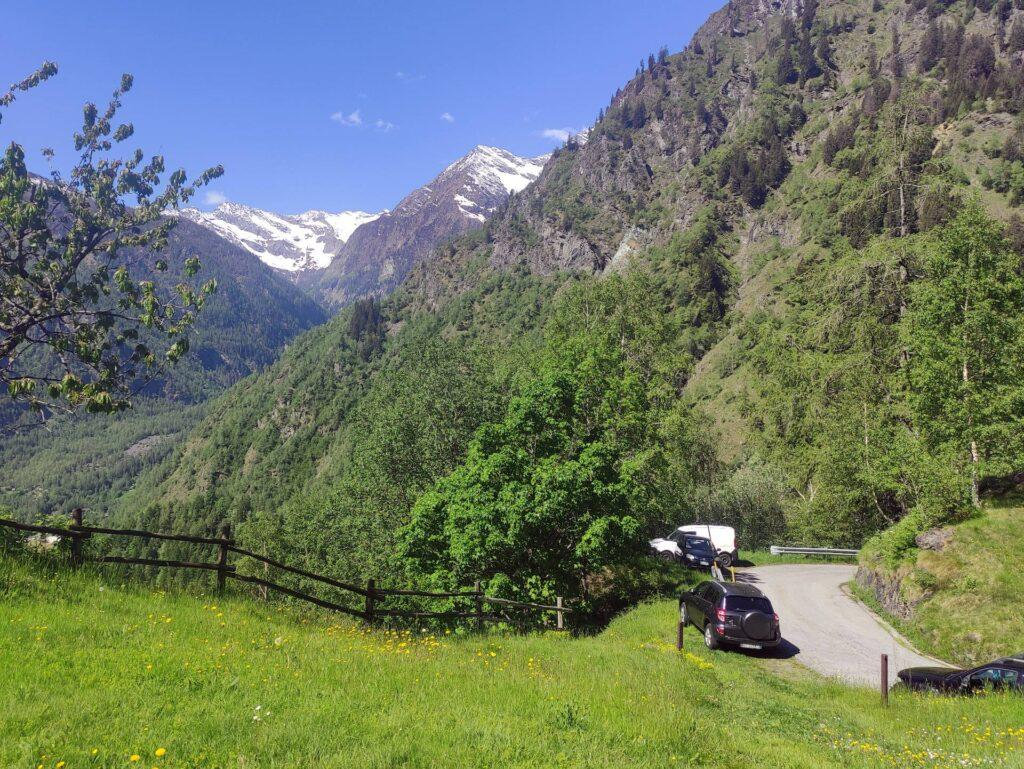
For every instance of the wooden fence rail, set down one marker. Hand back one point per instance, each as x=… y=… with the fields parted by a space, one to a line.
x=77 y=533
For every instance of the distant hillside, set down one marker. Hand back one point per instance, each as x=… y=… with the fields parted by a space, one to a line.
x=89 y=461
x=253 y=315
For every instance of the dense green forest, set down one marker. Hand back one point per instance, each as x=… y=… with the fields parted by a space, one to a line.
x=779 y=286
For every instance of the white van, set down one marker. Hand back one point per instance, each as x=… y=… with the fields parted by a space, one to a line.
x=722 y=537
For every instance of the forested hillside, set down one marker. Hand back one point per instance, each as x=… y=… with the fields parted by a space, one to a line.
x=779 y=285
x=85 y=460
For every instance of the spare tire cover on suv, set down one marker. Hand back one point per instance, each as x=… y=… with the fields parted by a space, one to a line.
x=757 y=625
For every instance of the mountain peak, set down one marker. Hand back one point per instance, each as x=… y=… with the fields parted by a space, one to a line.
x=460 y=198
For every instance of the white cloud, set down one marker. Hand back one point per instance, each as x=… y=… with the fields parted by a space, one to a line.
x=384 y=125
x=408 y=77
x=353 y=119
x=447 y=117
x=214 y=198
x=558 y=134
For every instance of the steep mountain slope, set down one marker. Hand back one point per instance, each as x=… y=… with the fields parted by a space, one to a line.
x=85 y=461
x=292 y=244
x=250 y=319
x=745 y=234
x=381 y=252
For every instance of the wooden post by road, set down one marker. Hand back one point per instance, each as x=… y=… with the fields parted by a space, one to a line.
x=479 y=605
x=885 y=680
x=222 y=558
x=76 y=541
x=560 y=622
x=680 y=628
x=371 y=596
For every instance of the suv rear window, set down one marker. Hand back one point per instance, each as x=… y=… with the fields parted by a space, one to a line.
x=748 y=603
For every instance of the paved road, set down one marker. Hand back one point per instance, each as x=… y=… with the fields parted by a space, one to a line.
x=833 y=634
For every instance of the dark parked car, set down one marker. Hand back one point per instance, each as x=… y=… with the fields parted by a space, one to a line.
x=1005 y=674
x=695 y=552
x=731 y=613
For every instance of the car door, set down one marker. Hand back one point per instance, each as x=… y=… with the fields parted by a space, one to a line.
x=993 y=677
x=708 y=599
x=695 y=605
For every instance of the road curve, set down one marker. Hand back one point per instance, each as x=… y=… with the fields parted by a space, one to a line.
x=833 y=634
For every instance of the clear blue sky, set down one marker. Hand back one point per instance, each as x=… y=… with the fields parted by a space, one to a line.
x=254 y=85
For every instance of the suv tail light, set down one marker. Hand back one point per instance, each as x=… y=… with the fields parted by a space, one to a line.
x=720 y=613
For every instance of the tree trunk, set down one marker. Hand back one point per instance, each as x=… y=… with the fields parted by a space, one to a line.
x=975 y=454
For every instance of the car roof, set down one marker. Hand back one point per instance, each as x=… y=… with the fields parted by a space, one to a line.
x=738 y=588
x=1013 y=662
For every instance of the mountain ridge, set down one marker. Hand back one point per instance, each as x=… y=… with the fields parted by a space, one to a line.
x=380 y=254
x=288 y=243
x=340 y=257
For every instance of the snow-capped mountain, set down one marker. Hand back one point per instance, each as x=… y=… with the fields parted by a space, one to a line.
x=380 y=253
x=292 y=244
x=490 y=174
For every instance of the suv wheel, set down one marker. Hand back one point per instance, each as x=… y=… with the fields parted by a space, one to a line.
x=709 y=637
x=667 y=555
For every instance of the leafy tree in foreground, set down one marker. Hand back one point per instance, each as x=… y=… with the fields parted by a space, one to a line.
x=965 y=335
x=544 y=497
x=559 y=496
x=82 y=318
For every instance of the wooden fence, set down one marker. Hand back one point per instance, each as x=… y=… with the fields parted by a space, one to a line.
x=481 y=608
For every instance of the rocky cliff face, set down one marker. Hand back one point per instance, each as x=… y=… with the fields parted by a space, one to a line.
x=381 y=253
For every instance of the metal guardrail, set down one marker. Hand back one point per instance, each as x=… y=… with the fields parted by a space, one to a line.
x=830 y=551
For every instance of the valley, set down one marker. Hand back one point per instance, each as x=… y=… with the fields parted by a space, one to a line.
x=776 y=283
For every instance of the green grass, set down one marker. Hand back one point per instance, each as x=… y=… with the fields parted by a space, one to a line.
x=967 y=597
x=96 y=672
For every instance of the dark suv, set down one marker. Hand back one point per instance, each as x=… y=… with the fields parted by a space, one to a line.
x=732 y=613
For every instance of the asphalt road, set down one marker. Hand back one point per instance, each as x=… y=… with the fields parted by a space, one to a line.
x=826 y=629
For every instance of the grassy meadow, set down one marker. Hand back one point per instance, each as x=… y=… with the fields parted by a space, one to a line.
x=102 y=674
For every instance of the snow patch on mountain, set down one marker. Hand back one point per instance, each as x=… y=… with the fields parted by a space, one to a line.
x=306 y=241
x=490 y=173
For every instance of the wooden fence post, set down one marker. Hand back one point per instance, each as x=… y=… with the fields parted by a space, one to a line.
x=76 y=541
x=885 y=680
x=560 y=621
x=371 y=595
x=222 y=558
x=680 y=627
x=479 y=605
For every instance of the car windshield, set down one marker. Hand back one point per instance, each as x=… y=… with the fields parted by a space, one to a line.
x=677 y=536
x=748 y=603
x=699 y=545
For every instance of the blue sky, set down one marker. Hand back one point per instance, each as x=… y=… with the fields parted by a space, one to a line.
x=332 y=105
